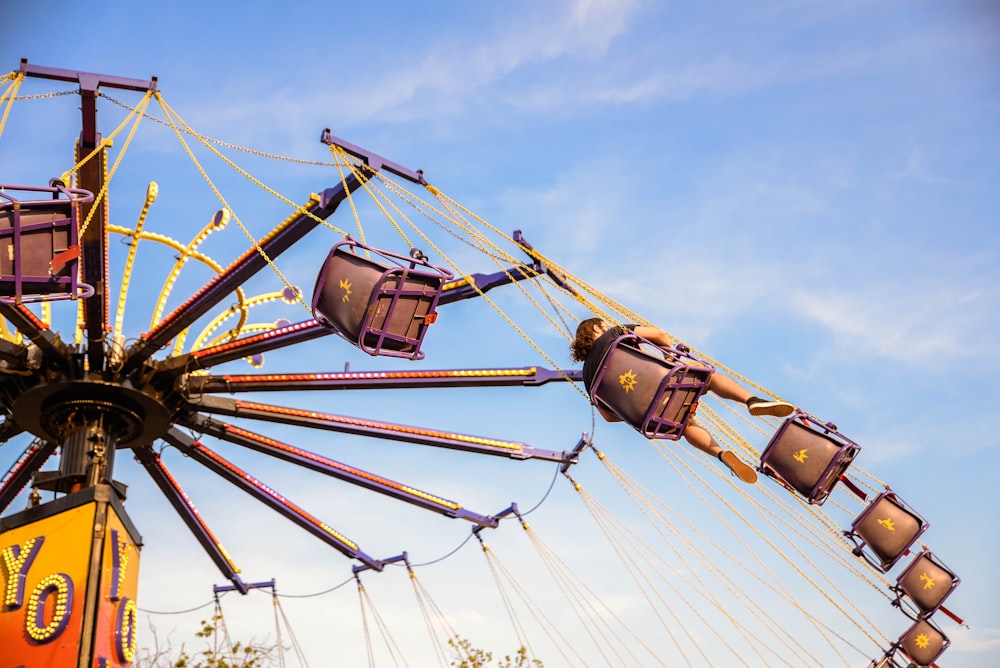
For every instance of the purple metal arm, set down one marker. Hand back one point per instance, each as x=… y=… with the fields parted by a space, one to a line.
x=36 y=331
x=377 y=380
x=91 y=177
x=391 y=560
x=21 y=471
x=189 y=514
x=333 y=468
x=219 y=589
x=364 y=427
x=245 y=347
x=509 y=510
x=255 y=488
x=373 y=160
x=462 y=289
x=9 y=429
x=278 y=241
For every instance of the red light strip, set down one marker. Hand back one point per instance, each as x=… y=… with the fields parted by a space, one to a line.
x=272 y=493
x=255 y=339
x=26 y=456
x=341 y=467
x=27 y=313
x=194 y=512
x=464 y=438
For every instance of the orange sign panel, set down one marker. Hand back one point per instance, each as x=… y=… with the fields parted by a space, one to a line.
x=44 y=575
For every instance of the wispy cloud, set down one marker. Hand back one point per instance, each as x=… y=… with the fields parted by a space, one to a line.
x=908 y=323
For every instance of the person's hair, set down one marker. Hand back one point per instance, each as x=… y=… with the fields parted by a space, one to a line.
x=586 y=334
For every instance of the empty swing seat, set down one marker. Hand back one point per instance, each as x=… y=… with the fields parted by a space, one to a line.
x=926 y=582
x=923 y=643
x=379 y=301
x=656 y=395
x=39 y=251
x=888 y=527
x=808 y=456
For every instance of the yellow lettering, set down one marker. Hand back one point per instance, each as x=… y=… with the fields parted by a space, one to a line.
x=17 y=560
x=60 y=586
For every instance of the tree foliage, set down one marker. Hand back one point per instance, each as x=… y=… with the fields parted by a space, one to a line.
x=467 y=656
x=216 y=652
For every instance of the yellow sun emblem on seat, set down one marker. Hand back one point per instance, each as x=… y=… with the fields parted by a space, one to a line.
x=888 y=524
x=345 y=285
x=927 y=580
x=801 y=456
x=627 y=381
x=922 y=641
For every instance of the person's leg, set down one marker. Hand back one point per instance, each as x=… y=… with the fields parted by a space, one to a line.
x=700 y=438
x=727 y=388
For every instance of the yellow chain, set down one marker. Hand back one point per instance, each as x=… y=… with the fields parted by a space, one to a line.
x=172 y=116
x=343 y=184
x=219 y=142
x=98 y=197
x=366 y=184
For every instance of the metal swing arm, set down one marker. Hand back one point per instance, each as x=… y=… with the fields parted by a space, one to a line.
x=20 y=473
x=377 y=380
x=221 y=589
x=243 y=347
x=374 y=161
x=334 y=469
x=269 y=497
x=477 y=284
x=36 y=331
x=364 y=427
x=189 y=514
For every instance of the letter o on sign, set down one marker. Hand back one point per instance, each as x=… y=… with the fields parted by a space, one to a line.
x=54 y=594
x=125 y=631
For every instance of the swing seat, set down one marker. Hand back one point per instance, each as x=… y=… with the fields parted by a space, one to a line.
x=379 y=301
x=888 y=527
x=39 y=250
x=923 y=643
x=808 y=456
x=926 y=582
x=656 y=395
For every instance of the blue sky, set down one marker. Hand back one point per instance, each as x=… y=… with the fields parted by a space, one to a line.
x=806 y=192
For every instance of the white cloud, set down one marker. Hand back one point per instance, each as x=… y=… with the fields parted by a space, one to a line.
x=909 y=323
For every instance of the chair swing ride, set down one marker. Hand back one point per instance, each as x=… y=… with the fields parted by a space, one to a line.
x=71 y=592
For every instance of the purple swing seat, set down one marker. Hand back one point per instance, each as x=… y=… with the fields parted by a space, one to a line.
x=808 y=456
x=656 y=395
x=926 y=582
x=923 y=643
x=39 y=250
x=379 y=301
x=888 y=527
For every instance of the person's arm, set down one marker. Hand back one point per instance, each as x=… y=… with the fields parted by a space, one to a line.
x=653 y=334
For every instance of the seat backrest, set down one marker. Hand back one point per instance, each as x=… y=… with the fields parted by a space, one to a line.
x=923 y=642
x=888 y=528
x=377 y=300
x=36 y=236
x=927 y=583
x=656 y=396
x=808 y=456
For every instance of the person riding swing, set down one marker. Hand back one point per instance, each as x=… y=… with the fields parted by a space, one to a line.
x=596 y=336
